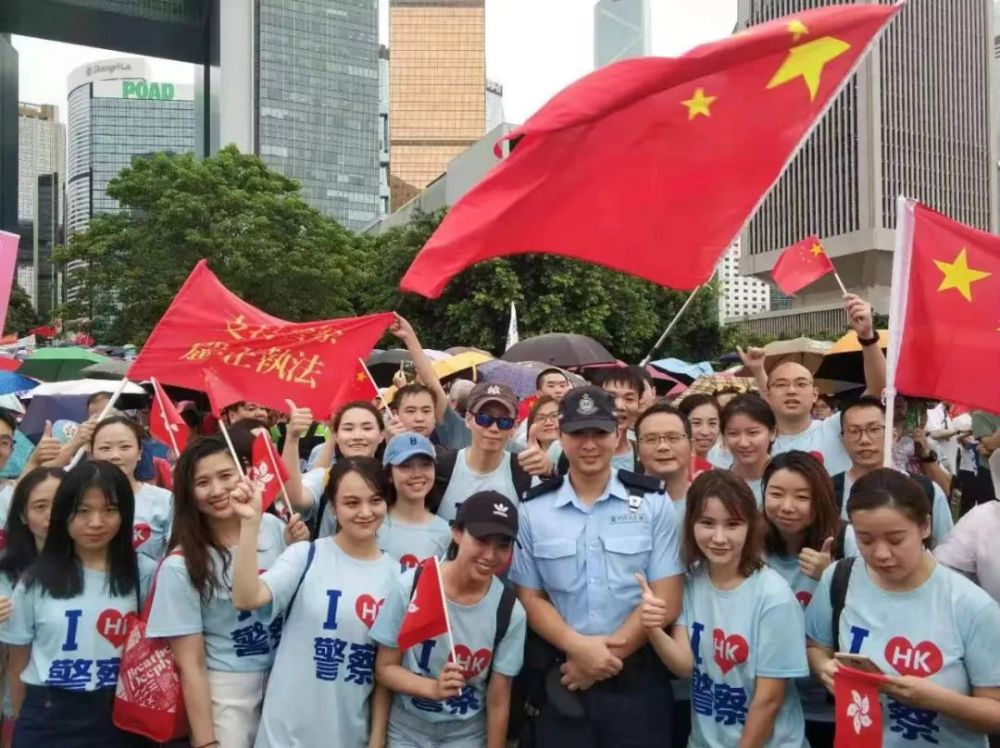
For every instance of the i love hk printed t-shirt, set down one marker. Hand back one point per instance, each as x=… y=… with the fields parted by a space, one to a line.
x=737 y=636
x=154 y=514
x=947 y=630
x=411 y=544
x=324 y=671
x=76 y=643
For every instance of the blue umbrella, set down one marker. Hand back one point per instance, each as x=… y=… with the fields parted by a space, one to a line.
x=11 y=381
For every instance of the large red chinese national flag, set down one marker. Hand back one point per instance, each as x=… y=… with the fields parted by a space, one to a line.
x=945 y=311
x=800 y=265
x=265 y=359
x=652 y=165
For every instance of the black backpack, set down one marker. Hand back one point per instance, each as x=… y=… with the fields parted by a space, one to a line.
x=838 y=594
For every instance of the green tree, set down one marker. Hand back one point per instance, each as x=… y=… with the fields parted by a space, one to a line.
x=258 y=234
x=21 y=316
x=552 y=294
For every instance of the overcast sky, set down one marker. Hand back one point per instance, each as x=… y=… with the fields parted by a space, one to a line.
x=533 y=47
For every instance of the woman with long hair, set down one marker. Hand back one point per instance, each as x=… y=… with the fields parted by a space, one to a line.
x=68 y=624
x=802 y=524
x=322 y=685
x=411 y=532
x=118 y=439
x=749 y=429
x=931 y=630
x=27 y=526
x=745 y=626
x=223 y=655
x=463 y=702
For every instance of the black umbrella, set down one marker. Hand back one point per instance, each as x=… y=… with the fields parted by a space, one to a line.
x=384 y=364
x=560 y=349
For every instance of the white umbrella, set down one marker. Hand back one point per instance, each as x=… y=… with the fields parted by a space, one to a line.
x=81 y=387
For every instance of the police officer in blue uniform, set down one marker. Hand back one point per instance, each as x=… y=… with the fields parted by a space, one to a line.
x=582 y=539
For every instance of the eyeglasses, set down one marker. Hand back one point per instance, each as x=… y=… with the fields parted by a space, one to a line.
x=874 y=433
x=547 y=418
x=798 y=384
x=654 y=440
x=504 y=423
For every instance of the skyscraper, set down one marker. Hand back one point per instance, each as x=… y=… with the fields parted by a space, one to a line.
x=47 y=234
x=117 y=113
x=437 y=73
x=739 y=295
x=318 y=102
x=916 y=119
x=621 y=30
x=494 y=105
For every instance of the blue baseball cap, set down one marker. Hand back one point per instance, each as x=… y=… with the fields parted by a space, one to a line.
x=404 y=446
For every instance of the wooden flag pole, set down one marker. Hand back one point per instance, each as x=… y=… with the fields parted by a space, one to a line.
x=444 y=605
x=232 y=449
x=673 y=323
x=104 y=414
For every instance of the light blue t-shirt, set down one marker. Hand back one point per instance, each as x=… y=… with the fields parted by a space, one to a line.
x=719 y=456
x=465 y=482
x=76 y=643
x=813 y=694
x=324 y=672
x=473 y=629
x=235 y=641
x=585 y=557
x=947 y=629
x=154 y=514
x=821 y=436
x=941 y=520
x=452 y=433
x=313 y=484
x=411 y=544
x=737 y=636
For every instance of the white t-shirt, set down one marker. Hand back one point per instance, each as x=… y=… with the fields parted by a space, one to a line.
x=972 y=546
x=6 y=494
x=465 y=482
x=154 y=515
x=821 y=436
x=324 y=671
x=947 y=449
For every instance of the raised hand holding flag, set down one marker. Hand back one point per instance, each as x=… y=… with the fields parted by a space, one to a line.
x=268 y=471
x=427 y=614
x=802 y=264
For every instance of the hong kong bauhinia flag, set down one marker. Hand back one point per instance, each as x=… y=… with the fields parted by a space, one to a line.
x=653 y=165
x=268 y=469
x=944 y=316
x=857 y=710
x=261 y=358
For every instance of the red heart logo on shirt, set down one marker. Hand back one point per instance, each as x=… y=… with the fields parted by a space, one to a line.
x=111 y=625
x=921 y=659
x=472 y=663
x=140 y=533
x=367 y=608
x=408 y=561
x=730 y=651
x=803 y=597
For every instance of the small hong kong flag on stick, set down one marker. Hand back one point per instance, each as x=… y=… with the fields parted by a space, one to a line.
x=165 y=423
x=800 y=265
x=427 y=614
x=858 y=712
x=267 y=470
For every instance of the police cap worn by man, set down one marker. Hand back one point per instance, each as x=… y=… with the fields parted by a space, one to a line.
x=586 y=408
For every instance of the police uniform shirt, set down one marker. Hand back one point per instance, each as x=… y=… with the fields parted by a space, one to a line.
x=585 y=557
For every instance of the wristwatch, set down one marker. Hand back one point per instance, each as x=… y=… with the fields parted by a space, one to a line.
x=931 y=457
x=869 y=341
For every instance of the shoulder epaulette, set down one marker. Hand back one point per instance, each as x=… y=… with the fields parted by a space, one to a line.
x=548 y=486
x=641 y=483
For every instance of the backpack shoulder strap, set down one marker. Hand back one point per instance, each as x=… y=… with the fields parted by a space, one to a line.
x=444 y=468
x=309 y=559
x=838 y=490
x=505 y=609
x=838 y=595
x=520 y=479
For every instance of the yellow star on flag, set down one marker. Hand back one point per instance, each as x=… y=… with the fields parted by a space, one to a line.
x=699 y=104
x=798 y=29
x=361 y=376
x=959 y=275
x=807 y=61
x=817 y=250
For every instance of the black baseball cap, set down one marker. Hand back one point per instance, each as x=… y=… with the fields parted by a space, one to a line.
x=585 y=408
x=488 y=513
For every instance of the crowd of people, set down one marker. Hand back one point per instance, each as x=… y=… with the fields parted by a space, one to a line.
x=618 y=570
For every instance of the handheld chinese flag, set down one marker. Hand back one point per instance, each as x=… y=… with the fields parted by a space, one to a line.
x=358 y=387
x=652 y=165
x=858 y=712
x=264 y=359
x=944 y=316
x=267 y=470
x=165 y=423
x=221 y=393
x=801 y=264
x=426 y=616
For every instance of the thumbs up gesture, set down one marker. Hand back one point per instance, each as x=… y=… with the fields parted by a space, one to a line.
x=299 y=420
x=48 y=448
x=654 y=610
x=535 y=460
x=812 y=563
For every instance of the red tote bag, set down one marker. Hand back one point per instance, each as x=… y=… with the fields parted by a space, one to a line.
x=148 y=699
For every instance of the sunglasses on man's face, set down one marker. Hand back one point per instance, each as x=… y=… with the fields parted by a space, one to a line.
x=504 y=423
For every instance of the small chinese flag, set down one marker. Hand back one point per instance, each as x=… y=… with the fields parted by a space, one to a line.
x=221 y=394
x=945 y=321
x=858 y=712
x=425 y=617
x=358 y=387
x=800 y=265
x=267 y=470
x=165 y=423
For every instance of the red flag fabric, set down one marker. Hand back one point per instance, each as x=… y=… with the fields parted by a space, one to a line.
x=801 y=264
x=652 y=165
x=221 y=394
x=425 y=617
x=858 y=712
x=358 y=387
x=265 y=359
x=165 y=423
x=267 y=469
x=945 y=292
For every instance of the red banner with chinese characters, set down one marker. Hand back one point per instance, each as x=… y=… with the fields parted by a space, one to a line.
x=266 y=359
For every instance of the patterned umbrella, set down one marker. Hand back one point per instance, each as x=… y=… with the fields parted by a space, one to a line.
x=720 y=383
x=519 y=376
